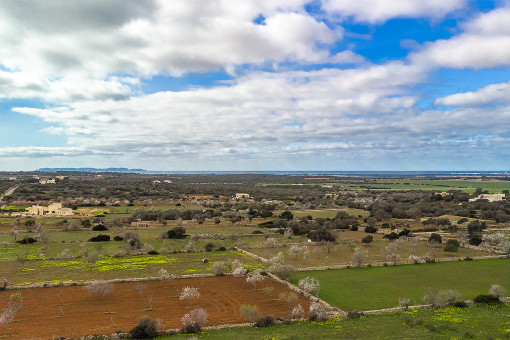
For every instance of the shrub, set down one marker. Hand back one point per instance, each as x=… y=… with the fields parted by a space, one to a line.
x=468 y=258
x=100 y=238
x=451 y=246
x=118 y=238
x=222 y=248
x=265 y=321
x=99 y=227
x=370 y=229
x=209 y=247
x=475 y=240
x=249 y=312
x=176 y=233
x=460 y=304
x=391 y=236
x=257 y=232
x=354 y=228
x=147 y=329
x=153 y=252
x=27 y=240
x=435 y=238
x=218 y=268
x=482 y=298
x=404 y=232
x=367 y=239
x=354 y=314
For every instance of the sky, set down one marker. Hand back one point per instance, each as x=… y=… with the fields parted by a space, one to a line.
x=254 y=85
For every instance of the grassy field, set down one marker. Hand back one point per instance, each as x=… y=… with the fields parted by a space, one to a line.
x=479 y=322
x=381 y=287
x=410 y=184
x=342 y=253
x=44 y=271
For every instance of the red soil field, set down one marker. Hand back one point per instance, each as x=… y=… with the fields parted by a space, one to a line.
x=86 y=314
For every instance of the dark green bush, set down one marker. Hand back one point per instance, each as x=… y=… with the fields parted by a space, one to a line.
x=354 y=228
x=99 y=227
x=370 y=229
x=475 y=240
x=222 y=248
x=176 y=233
x=209 y=246
x=27 y=240
x=118 y=238
x=391 y=236
x=367 y=239
x=153 y=252
x=435 y=238
x=482 y=298
x=147 y=329
x=265 y=321
x=100 y=238
x=459 y=304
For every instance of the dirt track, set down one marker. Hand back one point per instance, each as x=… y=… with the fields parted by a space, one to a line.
x=84 y=313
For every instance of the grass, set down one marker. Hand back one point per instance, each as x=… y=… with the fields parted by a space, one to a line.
x=480 y=322
x=342 y=254
x=45 y=271
x=410 y=184
x=381 y=287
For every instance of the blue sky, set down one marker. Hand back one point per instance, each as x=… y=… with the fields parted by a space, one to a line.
x=255 y=85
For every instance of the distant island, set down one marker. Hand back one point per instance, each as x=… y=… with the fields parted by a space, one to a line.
x=92 y=170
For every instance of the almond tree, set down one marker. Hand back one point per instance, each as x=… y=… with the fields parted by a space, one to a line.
x=189 y=293
x=100 y=287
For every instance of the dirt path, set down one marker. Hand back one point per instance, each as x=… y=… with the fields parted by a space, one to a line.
x=74 y=312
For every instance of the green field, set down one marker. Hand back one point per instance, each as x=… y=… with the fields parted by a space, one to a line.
x=107 y=268
x=408 y=184
x=479 y=322
x=381 y=287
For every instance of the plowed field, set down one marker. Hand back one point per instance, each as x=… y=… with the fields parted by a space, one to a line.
x=74 y=312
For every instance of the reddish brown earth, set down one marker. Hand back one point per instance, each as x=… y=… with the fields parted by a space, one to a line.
x=86 y=314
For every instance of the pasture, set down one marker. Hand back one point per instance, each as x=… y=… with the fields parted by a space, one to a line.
x=381 y=287
x=479 y=322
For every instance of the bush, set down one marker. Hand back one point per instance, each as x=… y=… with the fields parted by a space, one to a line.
x=222 y=248
x=404 y=232
x=118 y=238
x=391 y=236
x=194 y=321
x=176 y=233
x=354 y=228
x=99 y=227
x=100 y=238
x=255 y=232
x=482 y=298
x=370 y=229
x=27 y=240
x=147 y=329
x=249 y=312
x=475 y=240
x=452 y=246
x=153 y=252
x=435 y=238
x=353 y=314
x=209 y=247
x=460 y=304
x=265 y=321
x=367 y=239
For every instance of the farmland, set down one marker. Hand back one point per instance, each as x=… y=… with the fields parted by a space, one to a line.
x=478 y=322
x=48 y=312
x=381 y=287
x=133 y=228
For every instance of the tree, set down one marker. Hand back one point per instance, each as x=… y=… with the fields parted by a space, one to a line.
x=435 y=238
x=452 y=246
x=189 y=293
x=254 y=278
x=298 y=312
x=140 y=288
x=286 y=215
x=497 y=290
x=359 y=256
x=100 y=287
x=310 y=285
x=194 y=320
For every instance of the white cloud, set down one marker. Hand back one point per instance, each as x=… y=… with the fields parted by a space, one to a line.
x=376 y=11
x=490 y=94
x=484 y=44
x=154 y=37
